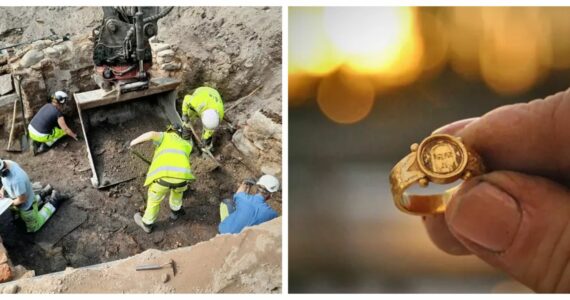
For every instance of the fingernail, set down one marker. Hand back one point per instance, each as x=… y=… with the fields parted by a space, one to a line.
x=455 y=126
x=484 y=215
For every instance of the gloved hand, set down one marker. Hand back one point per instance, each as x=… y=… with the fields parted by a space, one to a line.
x=207 y=144
x=184 y=119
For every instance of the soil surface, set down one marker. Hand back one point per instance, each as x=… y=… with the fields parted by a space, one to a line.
x=249 y=262
x=109 y=232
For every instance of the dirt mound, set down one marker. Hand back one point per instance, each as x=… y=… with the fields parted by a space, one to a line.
x=249 y=262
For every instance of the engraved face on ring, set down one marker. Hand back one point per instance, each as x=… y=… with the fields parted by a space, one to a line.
x=442 y=155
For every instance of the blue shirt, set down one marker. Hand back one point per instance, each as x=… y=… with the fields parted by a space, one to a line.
x=250 y=210
x=18 y=183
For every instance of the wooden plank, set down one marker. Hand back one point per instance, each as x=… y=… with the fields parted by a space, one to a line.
x=100 y=97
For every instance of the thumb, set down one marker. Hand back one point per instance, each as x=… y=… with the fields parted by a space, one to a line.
x=518 y=223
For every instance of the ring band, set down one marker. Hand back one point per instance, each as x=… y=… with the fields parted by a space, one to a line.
x=439 y=158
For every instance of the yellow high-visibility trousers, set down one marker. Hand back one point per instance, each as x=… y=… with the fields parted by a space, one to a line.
x=156 y=194
x=49 y=139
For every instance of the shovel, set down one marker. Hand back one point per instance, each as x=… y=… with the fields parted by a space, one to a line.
x=24 y=142
x=202 y=148
x=9 y=147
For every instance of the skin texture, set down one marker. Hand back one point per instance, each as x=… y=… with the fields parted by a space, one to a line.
x=517 y=216
x=256 y=190
x=62 y=124
x=147 y=136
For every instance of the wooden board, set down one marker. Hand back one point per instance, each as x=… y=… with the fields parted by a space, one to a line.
x=100 y=97
x=65 y=220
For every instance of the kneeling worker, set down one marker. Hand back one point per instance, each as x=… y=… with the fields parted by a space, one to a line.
x=44 y=129
x=170 y=171
x=19 y=188
x=248 y=209
x=205 y=103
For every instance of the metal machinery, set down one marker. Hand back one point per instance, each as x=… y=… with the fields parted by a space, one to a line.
x=122 y=53
x=122 y=57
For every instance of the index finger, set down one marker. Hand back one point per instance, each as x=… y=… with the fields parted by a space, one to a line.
x=530 y=137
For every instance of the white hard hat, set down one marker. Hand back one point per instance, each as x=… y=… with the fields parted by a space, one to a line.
x=60 y=96
x=210 y=119
x=270 y=183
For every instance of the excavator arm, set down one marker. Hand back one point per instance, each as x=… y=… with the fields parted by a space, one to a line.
x=122 y=53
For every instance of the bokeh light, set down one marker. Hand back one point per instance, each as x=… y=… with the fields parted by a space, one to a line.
x=310 y=49
x=345 y=99
x=509 y=49
x=371 y=38
x=301 y=88
x=513 y=49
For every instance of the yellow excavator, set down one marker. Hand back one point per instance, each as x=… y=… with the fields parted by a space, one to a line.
x=129 y=100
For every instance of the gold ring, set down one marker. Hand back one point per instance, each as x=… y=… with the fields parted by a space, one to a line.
x=439 y=158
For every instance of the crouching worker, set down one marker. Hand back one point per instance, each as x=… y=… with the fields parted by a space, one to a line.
x=246 y=208
x=48 y=125
x=205 y=103
x=170 y=171
x=16 y=183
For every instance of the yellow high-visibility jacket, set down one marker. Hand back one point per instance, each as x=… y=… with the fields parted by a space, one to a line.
x=202 y=99
x=171 y=159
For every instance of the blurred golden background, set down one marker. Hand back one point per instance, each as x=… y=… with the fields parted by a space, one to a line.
x=364 y=84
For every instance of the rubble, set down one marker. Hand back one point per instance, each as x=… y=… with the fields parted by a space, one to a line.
x=31 y=57
x=5 y=269
x=6 y=84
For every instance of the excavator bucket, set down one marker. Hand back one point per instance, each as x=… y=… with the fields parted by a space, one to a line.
x=110 y=121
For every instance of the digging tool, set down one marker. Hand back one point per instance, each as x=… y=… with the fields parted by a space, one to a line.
x=52 y=37
x=139 y=155
x=157 y=267
x=11 y=138
x=238 y=101
x=201 y=145
x=235 y=104
x=24 y=142
x=8 y=148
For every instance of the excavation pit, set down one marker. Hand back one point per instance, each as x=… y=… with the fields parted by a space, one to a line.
x=108 y=231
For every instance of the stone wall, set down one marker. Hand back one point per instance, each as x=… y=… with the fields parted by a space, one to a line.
x=44 y=67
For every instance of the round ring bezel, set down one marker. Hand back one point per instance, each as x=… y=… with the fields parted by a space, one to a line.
x=438 y=177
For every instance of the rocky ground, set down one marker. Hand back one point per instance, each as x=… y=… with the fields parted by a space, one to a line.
x=246 y=263
x=236 y=50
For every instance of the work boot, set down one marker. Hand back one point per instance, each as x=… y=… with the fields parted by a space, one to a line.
x=42 y=148
x=56 y=199
x=139 y=221
x=46 y=191
x=175 y=214
x=34 y=147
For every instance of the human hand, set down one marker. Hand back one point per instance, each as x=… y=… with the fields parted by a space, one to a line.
x=517 y=217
